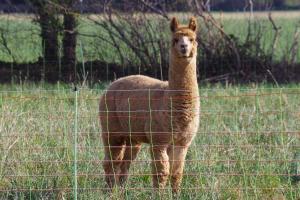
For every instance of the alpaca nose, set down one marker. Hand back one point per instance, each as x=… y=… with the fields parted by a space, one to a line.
x=183 y=46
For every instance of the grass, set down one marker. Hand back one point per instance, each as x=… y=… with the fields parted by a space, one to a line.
x=23 y=35
x=244 y=149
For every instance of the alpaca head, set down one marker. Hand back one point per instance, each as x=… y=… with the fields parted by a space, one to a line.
x=184 y=44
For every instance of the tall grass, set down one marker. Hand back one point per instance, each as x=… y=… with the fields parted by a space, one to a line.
x=244 y=148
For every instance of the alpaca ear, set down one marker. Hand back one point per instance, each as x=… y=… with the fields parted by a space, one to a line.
x=174 y=24
x=193 y=24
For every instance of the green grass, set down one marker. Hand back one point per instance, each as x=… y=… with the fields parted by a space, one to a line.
x=247 y=138
x=23 y=35
x=262 y=26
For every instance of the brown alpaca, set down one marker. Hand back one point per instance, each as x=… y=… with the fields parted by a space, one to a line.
x=139 y=109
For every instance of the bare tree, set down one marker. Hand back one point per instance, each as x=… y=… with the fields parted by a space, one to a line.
x=251 y=8
x=276 y=30
x=207 y=5
x=145 y=41
x=200 y=9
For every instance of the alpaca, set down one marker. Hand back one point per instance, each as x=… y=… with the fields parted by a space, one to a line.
x=138 y=109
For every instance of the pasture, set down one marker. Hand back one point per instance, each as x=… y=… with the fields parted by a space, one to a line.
x=22 y=35
x=247 y=146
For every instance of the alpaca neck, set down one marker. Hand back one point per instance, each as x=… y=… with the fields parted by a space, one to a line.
x=184 y=89
x=182 y=75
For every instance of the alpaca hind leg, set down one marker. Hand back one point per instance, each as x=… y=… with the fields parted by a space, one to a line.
x=177 y=156
x=114 y=152
x=130 y=155
x=160 y=166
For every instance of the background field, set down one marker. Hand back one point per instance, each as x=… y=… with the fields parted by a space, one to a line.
x=23 y=34
x=246 y=147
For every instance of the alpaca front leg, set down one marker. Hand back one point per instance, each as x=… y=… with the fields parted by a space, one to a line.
x=177 y=156
x=160 y=166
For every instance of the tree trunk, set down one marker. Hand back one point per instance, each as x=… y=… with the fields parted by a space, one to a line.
x=69 y=46
x=49 y=33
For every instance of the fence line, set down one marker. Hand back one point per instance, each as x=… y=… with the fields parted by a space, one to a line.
x=113 y=134
x=208 y=161
x=246 y=146
x=104 y=90
x=150 y=174
x=204 y=112
x=75 y=144
x=143 y=189
x=179 y=97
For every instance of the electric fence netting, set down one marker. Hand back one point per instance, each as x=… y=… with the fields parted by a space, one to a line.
x=247 y=146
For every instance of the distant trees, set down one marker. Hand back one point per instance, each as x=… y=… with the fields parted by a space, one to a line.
x=166 y=5
x=131 y=35
x=278 y=3
x=50 y=27
x=48 y=16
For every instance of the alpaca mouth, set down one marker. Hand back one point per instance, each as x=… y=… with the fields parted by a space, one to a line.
x=183 y=51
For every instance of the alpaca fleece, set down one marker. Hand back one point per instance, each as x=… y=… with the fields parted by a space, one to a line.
x=165 y=114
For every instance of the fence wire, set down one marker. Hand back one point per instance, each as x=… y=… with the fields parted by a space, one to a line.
x=247 y=145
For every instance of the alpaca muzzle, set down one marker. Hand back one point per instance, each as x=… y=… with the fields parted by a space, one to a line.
x=183 y=50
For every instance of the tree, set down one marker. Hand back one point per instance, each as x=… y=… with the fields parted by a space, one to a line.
x=48 y=19
x=69 y=38
x=48 y=12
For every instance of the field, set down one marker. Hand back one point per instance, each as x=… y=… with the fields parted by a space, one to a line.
x=247 y=146
x=22 y=35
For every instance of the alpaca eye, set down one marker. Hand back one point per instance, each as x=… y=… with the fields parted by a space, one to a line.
x=191 y=40
x=176 y=40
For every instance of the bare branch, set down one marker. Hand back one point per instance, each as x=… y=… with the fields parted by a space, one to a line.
x=276 y=35
x=295 y=46
x=5 y=44
x=156 y=10
x=208 y=18
x=207 y=5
